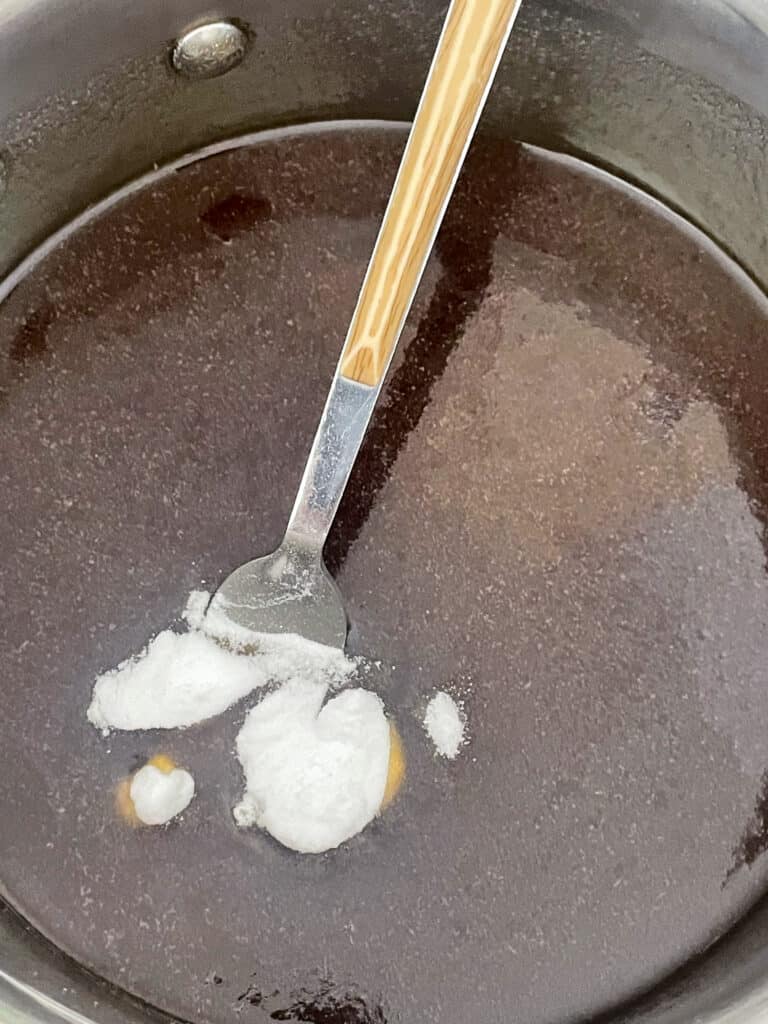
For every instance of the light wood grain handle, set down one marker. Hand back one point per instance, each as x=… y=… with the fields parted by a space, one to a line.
x=472 y=41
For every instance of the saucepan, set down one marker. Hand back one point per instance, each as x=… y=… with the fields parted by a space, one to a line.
x=596 y=849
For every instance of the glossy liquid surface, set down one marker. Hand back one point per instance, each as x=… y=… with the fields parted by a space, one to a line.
x=557 y=515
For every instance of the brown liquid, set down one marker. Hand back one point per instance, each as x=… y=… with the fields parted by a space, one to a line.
x=558 y=514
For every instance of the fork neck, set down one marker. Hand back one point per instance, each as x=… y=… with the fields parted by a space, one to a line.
x=337 y=442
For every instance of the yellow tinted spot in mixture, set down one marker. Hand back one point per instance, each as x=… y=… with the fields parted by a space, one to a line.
x=163 y=763
x=123 y=802
x=396 y=772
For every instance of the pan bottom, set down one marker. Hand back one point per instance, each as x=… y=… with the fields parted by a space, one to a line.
x=558 y=516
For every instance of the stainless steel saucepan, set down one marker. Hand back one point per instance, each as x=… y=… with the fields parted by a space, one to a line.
x=671 y=97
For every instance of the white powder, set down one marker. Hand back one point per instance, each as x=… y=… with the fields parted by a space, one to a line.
x=159 y=796
x=315 y=775
x=178 y=680
x=194 y=612
x=181 y=679
x=445 y=724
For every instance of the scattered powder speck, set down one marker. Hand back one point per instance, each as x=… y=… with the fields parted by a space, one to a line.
x=159 y=796
x=315 y=773
x=445 y=724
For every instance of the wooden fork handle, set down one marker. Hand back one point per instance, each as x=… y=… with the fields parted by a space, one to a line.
x=472 y=41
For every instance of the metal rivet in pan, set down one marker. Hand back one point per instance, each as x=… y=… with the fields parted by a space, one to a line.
x=209 y=50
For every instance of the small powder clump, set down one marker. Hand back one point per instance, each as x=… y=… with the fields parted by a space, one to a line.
x=445 y=724
x=159 y=796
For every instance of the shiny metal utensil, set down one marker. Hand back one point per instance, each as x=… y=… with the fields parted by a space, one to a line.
x=290 y=591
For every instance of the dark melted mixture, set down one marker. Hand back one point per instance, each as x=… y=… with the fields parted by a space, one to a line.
x=558 y=517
